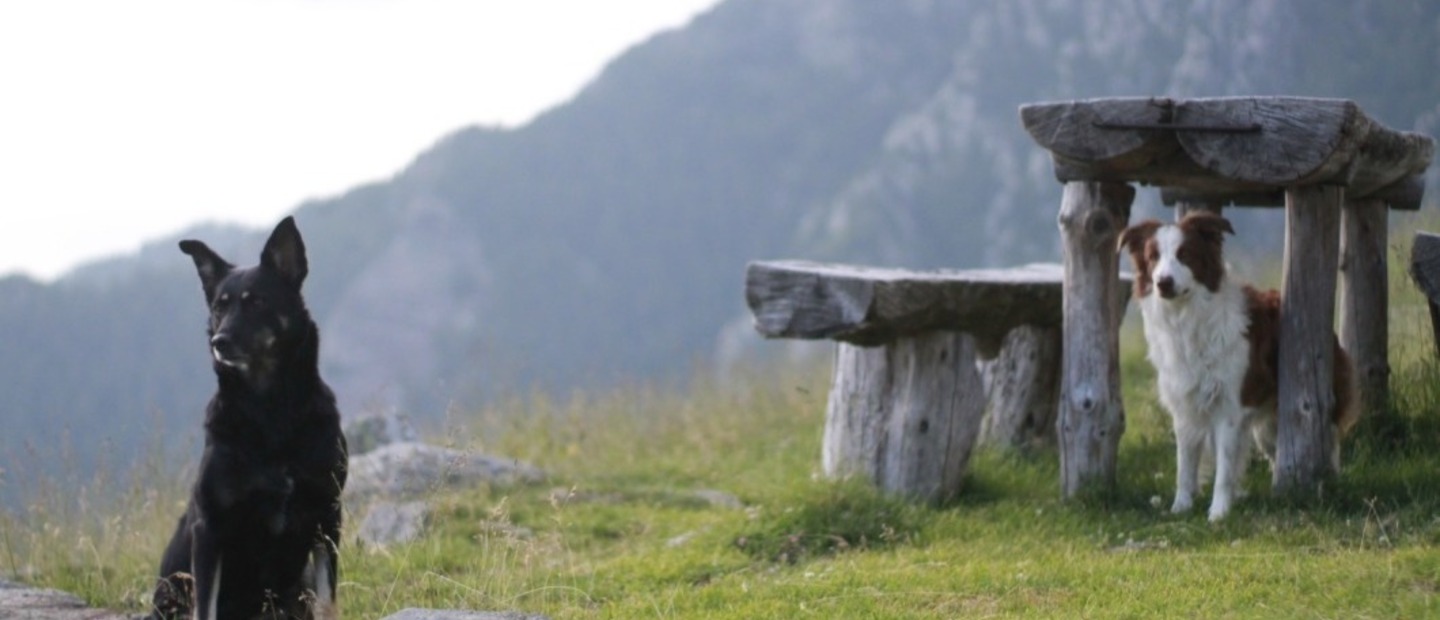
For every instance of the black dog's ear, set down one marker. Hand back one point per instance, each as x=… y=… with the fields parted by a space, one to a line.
x=212 y=268
x=285 y=252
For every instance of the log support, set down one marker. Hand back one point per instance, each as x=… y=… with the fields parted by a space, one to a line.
x=905 y=415
x=1091 y=416
x=1365 y=301
x=1021 y=388
x=1306 y=401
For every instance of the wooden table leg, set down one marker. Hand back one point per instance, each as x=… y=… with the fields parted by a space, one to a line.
x=1365 y=301
x=905 y=414
x=1092 y=416
x=1307 y=307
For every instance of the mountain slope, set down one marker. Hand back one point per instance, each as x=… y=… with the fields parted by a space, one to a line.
x=606 y=240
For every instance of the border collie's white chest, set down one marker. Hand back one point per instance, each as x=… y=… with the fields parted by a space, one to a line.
x=1198 y=347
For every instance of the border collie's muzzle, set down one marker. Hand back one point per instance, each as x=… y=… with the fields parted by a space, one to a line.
x=1166 y=287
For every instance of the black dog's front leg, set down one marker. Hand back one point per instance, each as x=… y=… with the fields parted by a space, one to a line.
x=206 y=564
x=320 y=576
x=174 y=597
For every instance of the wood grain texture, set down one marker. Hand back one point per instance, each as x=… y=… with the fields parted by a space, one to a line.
x=1022 y=387
x=1299 y=141
x=1306 y=401
x=1390 y=160
x=1091 y=416
x=872 y=306
x=1405 y=194
x=905 y=416
x=1365 y=301
x=1069 y=129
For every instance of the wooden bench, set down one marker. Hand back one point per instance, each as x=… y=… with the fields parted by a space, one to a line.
x=907 y=401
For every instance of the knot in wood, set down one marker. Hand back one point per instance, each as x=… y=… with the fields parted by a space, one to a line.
x=1085 y=400
x=1099 y=224
x=1306 y=407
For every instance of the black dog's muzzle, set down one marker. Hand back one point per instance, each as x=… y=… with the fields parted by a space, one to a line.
x=226 y=351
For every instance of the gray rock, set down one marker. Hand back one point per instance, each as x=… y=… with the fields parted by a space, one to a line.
x=457 y=614
x=22 y=602
x=412 y=468
x=681 y=540
x=367 y=433
x=388 y=523
x=719 y=499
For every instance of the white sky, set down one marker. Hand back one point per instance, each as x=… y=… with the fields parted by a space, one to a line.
x=124 y=120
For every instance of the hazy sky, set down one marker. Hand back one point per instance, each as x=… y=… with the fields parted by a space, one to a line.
x=121 y=121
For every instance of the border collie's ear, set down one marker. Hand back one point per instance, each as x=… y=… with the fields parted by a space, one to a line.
x=285 y=252
x=211 y=267
x=1209 y=226
x=1133 y=238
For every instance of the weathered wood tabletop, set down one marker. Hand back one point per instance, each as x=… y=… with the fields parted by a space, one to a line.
x=870 y=305
x=1243 y=149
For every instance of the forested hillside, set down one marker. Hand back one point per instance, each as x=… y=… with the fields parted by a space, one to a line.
x=606 y=240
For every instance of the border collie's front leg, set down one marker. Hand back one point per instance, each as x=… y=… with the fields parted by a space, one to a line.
x=1189 y=443
x=205 y=563
x=1231 y=452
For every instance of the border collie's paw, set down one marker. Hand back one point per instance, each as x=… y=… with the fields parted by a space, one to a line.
x=1183 y=503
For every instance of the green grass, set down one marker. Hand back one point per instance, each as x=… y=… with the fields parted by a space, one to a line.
x=618 y=532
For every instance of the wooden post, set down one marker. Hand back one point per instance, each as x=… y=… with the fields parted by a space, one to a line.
x=1186 y=207
x=1365 y=301
x=905 y=414
x=1092 y=416
x=1307 y=313
x=1021 y=387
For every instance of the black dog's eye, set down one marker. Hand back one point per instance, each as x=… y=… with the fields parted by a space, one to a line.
x=252 y=300
x=223 y=300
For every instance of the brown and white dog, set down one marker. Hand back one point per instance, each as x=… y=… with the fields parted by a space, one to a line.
x=1214 y=343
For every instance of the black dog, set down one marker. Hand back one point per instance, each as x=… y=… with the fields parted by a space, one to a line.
x=259 y=536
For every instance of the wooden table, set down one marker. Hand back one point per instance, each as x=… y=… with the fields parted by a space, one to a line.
x=1333 y=169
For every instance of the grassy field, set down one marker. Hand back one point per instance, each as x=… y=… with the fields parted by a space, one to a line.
x=618 y=531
